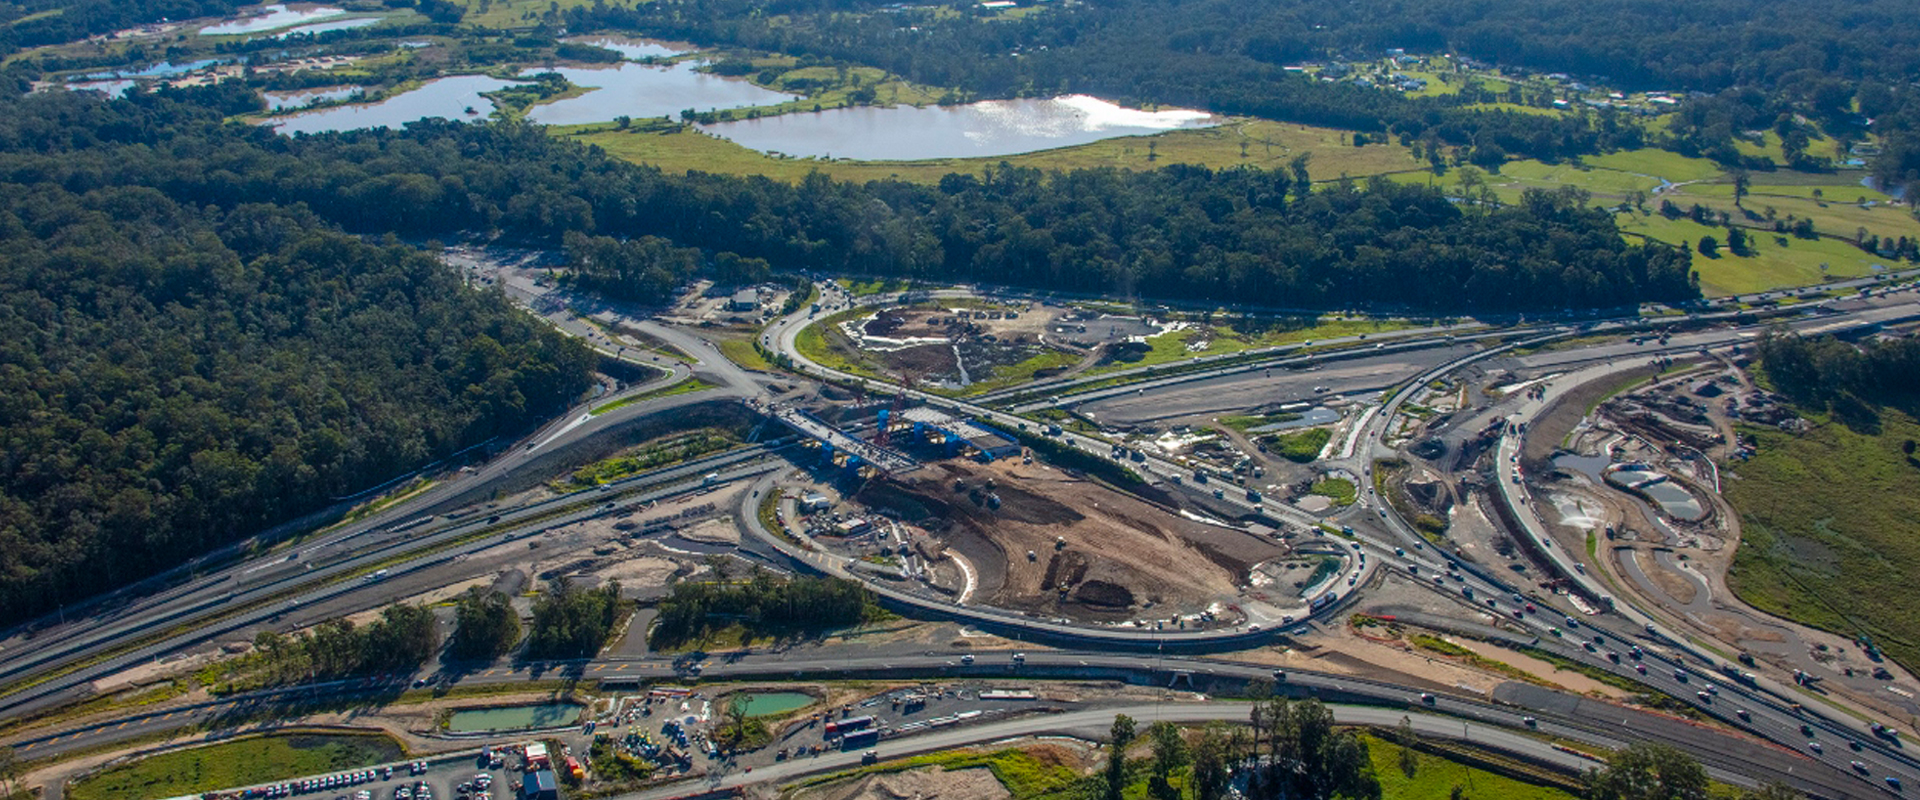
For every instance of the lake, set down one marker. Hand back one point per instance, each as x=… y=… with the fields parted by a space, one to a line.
x=288 y=101
x=164 y=69
x=271 y=17
x=635 y=49
x=513 y=718
x=446 y=97
x=984 y=129
x=641 y=91
x=336 y=25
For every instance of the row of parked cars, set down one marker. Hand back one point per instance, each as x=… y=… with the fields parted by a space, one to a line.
x=329 y=782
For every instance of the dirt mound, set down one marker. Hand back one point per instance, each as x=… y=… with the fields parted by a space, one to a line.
x=1064 y=570
x=907 y=503
x=917 y=784
x=1102 y=594
x=885 y=323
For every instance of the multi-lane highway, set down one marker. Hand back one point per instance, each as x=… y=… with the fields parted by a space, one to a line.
x=253 y=592
x=1751 y=707
x=138 y=629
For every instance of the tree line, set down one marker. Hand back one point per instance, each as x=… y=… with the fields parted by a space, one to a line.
x=404 y=637
x=1292 y=749
x=1823 y=373
x=762 y=605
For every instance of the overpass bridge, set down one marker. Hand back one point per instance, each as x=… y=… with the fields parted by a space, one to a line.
x=845 y=448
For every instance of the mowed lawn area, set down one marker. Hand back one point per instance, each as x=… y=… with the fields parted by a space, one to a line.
x=242 y=762
x=1831 y=530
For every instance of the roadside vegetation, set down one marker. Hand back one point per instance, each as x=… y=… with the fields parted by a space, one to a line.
x=241 y=762
x=760 y=607
x=746 y=352
x=1340 y=490
x=1302 y=447
x=570 y=622
x=688 y=386
x=486 y=626
x=400 y=640
x=664 y=451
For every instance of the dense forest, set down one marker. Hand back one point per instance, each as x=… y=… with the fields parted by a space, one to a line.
x=174 y=376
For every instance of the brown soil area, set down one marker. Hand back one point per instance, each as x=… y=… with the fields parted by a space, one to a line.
x=914 y=784
x=1548 y=430
x=1120 y=554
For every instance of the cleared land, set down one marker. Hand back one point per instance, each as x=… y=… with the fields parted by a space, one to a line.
x=1831 y=530
x=237 y=763
x=1119 y=553
x=955 y=351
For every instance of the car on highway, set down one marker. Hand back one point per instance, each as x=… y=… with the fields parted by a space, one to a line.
x=1816 y=748
x=1859 y=767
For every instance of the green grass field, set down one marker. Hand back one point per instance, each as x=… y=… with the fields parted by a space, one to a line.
x=240 y=762
x=1831 y=530
x=1022 y=372
x=1341 y=490
x=1778 y=261
x=741 y=351
x=1025 y=776
x=1301 y=447
x=513 y=13
x=1436 y=777
x=1662 y=163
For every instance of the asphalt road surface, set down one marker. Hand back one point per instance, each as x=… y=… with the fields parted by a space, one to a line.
x=1268 y=387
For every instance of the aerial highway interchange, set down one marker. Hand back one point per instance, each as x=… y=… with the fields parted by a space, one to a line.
x=1761 y=729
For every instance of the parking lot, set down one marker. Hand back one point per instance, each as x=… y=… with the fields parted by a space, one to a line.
x=460 y=776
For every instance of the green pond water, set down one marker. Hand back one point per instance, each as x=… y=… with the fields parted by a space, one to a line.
x=513 y=718
x=764 y=703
